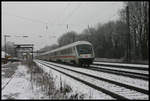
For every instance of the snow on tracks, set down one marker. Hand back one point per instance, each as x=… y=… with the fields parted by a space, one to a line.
x=118 y=90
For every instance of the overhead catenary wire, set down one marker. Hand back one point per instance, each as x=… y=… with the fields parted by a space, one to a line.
x=63 y=11
x=40 y=21
x=29 y=19
x=70 y=15
x=72 y=12
x=46 y=23
x=26 y=18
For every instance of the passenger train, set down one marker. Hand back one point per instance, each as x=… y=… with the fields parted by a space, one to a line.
x=80 y=53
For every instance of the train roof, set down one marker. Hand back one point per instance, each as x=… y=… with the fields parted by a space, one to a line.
x=67 y=46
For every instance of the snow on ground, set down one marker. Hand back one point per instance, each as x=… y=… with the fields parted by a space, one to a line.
x=123 y=64
x=4 y=74
x=77 y=87
x=122 y=79
x=20 y=86
x=6 y=64
x=4 y=82
x=130 y=94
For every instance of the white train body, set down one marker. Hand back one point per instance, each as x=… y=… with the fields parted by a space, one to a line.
x=80 y=52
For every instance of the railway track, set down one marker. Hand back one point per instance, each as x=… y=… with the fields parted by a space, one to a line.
x=13 y=75
x=117 y=74
x=144 y=75
x=113 y=88
x=131 y=72
x=123 y=65
x=8 y=81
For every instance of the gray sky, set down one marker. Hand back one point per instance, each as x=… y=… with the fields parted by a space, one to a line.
x=31 y=18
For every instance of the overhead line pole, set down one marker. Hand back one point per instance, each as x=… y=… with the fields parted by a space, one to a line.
x=5 y=44
x=128 y=36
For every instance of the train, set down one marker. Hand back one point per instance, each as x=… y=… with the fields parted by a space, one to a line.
x=78 y=53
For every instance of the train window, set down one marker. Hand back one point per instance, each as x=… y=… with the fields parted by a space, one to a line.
x=64 y=52
x=84 y=49
x=74 y=49
x=57 y=53
x=69 y=50
x=61 y=52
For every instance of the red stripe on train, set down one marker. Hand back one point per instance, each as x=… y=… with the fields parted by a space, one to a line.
x=63 y=57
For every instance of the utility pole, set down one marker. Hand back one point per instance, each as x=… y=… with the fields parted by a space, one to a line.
x=37 y=53
x=32 y=52
x=128 y=36
x=89 y=31
x=46 y=27
x=73 y=38
x=67 y=28
x=5 y=43
x=89 y=27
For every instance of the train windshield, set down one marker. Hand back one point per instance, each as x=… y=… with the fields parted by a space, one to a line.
x=84 y=49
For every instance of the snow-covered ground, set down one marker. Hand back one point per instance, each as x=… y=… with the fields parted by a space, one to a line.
x=6 y=64
x=77 y=87
x=20 y=86
x=131 y=94
x=122 y=79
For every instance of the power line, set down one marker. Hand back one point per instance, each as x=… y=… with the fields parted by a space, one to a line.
x=65 y=8
x=69 y=15
x=26 y=18
x=39 y=21
x=33 y=20
x=46 y=23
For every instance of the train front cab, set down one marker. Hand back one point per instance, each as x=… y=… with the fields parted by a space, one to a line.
x=85 y=54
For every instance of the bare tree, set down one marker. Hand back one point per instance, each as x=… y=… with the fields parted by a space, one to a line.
x=67 y=38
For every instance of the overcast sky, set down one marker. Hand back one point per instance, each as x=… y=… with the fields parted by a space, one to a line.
x=31 y=19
